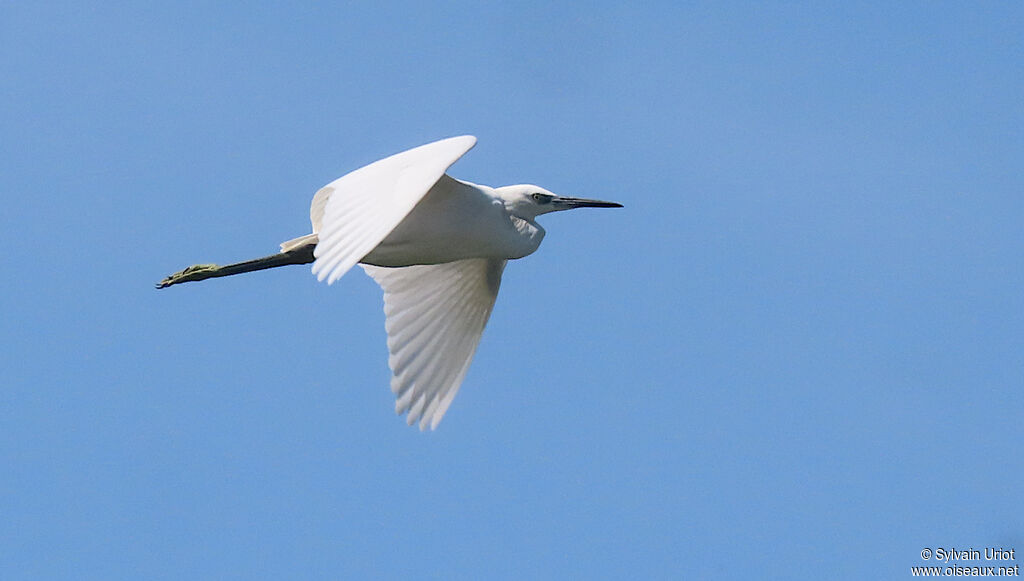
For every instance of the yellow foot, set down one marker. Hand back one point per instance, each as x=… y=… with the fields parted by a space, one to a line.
x=192 y=273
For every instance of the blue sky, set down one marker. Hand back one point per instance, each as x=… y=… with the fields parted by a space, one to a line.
x=797 y=352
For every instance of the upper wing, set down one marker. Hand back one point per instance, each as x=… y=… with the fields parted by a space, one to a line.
x=316 y=217
x=361 y=208
x=316 y=209
x=435 y=316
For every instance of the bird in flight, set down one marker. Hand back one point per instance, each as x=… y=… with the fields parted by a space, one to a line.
x=436 y=245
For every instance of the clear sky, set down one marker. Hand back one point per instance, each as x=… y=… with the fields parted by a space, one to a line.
x=797 y=352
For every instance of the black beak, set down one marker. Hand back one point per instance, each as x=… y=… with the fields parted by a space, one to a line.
x=570 y=203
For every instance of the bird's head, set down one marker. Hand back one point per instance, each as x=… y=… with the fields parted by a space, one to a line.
x=529 y=201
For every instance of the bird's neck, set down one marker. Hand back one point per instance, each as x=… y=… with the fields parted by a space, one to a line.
x=527 y=237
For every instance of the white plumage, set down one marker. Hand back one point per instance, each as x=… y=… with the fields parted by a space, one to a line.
x=436 y=245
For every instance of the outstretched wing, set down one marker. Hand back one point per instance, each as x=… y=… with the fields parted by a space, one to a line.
x=435 y=316
x=361 y=208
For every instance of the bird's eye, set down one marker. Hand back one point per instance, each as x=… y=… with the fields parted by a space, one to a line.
x=541 y=198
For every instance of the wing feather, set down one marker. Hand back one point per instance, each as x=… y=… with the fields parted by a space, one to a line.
x=435 y=315
x=354 y=213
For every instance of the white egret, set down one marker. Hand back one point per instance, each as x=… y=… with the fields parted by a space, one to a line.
x=436 y=245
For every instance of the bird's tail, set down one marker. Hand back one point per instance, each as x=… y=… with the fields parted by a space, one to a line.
x=298 y=255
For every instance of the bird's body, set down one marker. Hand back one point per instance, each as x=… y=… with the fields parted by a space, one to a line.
x=456 y=220
x=436 y=245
